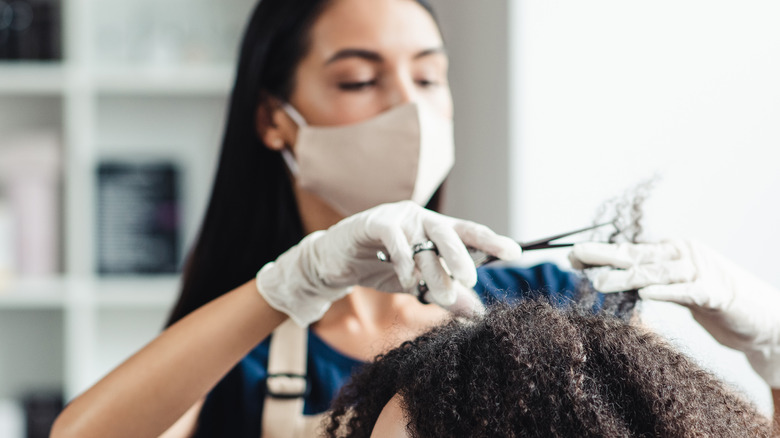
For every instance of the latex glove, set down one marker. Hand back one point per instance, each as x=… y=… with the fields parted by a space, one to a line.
x=739 y=310
x=322 y=268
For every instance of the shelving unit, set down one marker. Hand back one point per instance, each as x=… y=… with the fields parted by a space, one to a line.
x=31 y=79
x=66 y=330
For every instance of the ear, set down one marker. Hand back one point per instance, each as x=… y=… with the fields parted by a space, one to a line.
x=267 y=116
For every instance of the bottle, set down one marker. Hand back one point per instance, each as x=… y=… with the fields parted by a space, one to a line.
x=30 y=169
x=6 y=17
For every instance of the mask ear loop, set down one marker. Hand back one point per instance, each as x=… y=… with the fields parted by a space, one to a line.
x=294 y=114
x=292 y=165
x=290 y=161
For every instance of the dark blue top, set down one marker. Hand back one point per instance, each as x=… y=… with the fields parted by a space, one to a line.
x=234 y=407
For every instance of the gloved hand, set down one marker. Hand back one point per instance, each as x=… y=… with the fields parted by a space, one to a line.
x=322 y=267
x=739 y=310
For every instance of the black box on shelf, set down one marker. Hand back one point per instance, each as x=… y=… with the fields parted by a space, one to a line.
x=30 y=30
x=138 y=221
x=41 y=408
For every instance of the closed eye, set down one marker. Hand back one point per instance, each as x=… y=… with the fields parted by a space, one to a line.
x=357 y=86
x=427 y=83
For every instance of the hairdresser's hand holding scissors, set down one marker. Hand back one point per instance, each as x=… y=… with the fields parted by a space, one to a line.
x=739 y=310
x=307 y=278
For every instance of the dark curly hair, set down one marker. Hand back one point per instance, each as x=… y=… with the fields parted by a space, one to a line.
x=534 y=369
x=626 y=213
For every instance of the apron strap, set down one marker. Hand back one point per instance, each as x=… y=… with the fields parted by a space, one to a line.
x=286 y=383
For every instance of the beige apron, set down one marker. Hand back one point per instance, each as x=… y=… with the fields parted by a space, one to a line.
x=286 y=386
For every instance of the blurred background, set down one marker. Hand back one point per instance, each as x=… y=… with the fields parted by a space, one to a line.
x=111 y=114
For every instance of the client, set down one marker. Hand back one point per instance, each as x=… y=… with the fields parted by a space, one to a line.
x=533 y=369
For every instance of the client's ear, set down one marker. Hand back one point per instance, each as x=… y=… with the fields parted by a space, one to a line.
x=272 y=125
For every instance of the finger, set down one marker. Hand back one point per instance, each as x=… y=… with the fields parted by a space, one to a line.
x=674 y=293
x=617 y=280
x=576 y=263
x=622 y=255
x=693 y=295
x=453 y=252
x=467 y=302
x=484 y=239
x=397 y=246
x=440 y=285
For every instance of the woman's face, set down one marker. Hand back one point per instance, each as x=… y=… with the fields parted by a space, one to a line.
x=367 y=56
x=364 y=57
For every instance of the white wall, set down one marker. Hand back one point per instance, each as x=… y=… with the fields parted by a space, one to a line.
x=608 y=92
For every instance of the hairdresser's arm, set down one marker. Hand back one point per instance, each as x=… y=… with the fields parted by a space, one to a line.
x=151 y=390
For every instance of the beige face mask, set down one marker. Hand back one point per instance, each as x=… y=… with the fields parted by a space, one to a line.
x=402 y=154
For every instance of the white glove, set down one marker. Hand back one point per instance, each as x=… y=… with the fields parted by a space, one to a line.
x=739 y=310
x=322 y=267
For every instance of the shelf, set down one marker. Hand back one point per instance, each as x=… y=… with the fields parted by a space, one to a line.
x=154 y=293
x=31 y=78
x=137 y=292
x=168 y=80
x=105 y=99
x=42 y=78
x=36 y=293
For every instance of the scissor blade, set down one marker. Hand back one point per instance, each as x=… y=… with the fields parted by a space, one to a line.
x=545 y=246
x=536 y=243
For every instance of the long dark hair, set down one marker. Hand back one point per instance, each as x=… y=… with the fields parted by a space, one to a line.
x=252 y=216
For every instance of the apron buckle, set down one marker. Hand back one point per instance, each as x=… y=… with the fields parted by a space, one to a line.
x=286 y=386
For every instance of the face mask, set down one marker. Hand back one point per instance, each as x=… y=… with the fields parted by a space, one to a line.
x=402 y=154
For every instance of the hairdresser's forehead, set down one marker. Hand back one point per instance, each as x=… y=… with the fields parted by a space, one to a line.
x=391 y=422
x=390 y=27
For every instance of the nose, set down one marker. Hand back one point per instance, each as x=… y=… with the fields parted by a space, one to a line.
x=401 y=89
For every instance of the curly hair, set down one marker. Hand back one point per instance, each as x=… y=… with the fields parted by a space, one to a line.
x=534 y=369
x=626 y=213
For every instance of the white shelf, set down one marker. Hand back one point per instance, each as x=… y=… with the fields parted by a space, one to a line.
x=35 y=293
x=164 y=80
x=31 y=78
x=153 y=293
x=46 y=79
x=137 y=292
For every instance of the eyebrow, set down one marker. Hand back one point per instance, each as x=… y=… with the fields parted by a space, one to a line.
x=370 y=55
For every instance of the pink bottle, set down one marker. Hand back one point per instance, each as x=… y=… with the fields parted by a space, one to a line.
x=30 y=172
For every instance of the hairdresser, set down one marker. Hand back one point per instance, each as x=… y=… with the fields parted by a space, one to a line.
x=739 y=310
x=339 y=132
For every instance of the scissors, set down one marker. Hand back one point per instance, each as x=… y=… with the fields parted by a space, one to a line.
x=481 y=258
